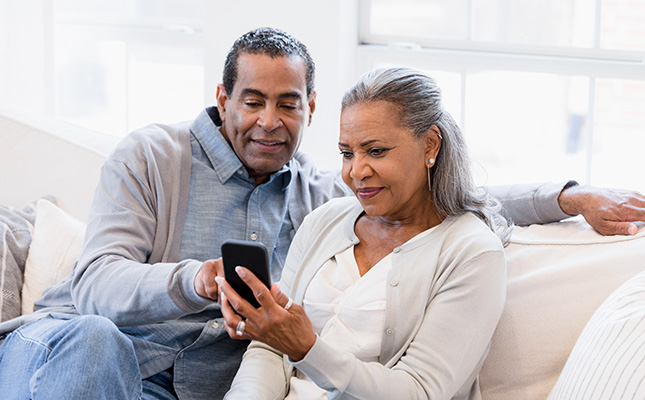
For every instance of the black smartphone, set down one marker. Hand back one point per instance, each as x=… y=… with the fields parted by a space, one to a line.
x=254 y=257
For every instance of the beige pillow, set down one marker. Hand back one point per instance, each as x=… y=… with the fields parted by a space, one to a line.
x=558 y=275
x=55 y=246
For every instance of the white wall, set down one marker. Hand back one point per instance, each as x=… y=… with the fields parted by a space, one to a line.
x=328 y=28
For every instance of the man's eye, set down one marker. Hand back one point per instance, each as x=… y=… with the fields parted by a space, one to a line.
x=289 y=107
x=252 y=104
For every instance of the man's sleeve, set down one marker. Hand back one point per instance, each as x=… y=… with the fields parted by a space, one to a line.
x=527 y=204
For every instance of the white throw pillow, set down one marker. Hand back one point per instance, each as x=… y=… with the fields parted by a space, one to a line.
x=608 y=361
x=55 y=246
x=558 y=275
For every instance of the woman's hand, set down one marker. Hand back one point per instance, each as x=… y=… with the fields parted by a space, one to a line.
x=286 y=330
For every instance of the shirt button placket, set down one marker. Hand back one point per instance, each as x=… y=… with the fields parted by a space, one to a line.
x=254 y=214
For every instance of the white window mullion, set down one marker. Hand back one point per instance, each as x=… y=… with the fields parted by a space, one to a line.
x=464 y=90
x=128 y=93
x=49 y=66
x=598 y=24
x=589 y=129
x=365 y=23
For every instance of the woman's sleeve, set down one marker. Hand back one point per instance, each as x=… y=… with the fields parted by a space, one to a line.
x=446 y=353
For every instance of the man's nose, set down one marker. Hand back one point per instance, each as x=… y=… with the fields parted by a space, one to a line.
x=269 y=119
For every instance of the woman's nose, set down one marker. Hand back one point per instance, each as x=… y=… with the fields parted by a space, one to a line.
x=360 y=168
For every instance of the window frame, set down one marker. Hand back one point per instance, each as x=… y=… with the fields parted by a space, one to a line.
x=464 y=56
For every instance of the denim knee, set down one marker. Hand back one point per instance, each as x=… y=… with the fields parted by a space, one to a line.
x=82 y=357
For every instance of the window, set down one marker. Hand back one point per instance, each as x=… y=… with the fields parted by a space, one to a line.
x=546 y=90
x=109 y=65
x=109 y=55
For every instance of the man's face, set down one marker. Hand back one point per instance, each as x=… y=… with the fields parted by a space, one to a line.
x=264 y=118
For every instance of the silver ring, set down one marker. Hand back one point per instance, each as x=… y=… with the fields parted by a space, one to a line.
x=239 y=331
x=289 y=303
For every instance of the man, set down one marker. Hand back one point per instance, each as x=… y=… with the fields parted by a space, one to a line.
x=139 y=317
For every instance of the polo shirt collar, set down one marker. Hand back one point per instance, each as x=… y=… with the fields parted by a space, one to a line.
x=225 y=162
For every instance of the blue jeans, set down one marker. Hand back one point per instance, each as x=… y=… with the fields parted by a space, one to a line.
x=85 y=357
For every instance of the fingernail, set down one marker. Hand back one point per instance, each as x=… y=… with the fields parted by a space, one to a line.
x=633 y=230
x=240 y=271
x=219 y=280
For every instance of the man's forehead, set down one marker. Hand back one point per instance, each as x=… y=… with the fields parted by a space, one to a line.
x=271 y=76
x=256 y=92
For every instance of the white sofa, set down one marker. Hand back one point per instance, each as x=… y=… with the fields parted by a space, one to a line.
x=559 y=274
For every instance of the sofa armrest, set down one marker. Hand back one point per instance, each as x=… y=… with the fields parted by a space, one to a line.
x=40 y=156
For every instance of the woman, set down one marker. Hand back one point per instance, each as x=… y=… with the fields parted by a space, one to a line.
x=395 y=293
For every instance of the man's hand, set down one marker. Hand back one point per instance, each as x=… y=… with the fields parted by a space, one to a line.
x=608 y=211
x=205 y=284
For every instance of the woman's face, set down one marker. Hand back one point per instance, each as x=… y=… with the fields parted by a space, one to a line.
x=383 y=163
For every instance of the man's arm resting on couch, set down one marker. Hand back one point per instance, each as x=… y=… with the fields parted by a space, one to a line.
x=608 y=211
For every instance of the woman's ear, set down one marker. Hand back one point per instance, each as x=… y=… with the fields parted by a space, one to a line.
x=433 y=141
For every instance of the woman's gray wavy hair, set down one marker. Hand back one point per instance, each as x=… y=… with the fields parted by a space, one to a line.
x=418 y=99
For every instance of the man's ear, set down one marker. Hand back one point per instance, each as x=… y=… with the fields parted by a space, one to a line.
x=312 y=107
x=222 y=97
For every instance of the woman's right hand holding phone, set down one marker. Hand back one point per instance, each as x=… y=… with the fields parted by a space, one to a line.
x=286 y=330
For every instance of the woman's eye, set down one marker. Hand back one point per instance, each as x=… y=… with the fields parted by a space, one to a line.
x=345 y=154
x=377 y=152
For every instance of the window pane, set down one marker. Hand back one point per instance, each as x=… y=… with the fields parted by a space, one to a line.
x=445 y=19
x=114 y=87
x=547 y=23
x=166 y=84
x=623 y=25
x=115 y=74
x=186 y=10
x=526 y=127
x=90 y=82
x=619 y=137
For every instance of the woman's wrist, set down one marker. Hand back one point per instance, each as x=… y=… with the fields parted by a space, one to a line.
x=308 y=343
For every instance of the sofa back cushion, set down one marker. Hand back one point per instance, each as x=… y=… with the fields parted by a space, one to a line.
x=558 y=275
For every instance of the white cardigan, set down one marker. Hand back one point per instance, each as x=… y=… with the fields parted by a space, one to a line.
x=445 y=295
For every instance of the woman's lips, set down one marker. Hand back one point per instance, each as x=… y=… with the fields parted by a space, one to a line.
x=367 y=193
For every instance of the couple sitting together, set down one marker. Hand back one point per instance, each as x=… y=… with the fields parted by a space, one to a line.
x=391 y=276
